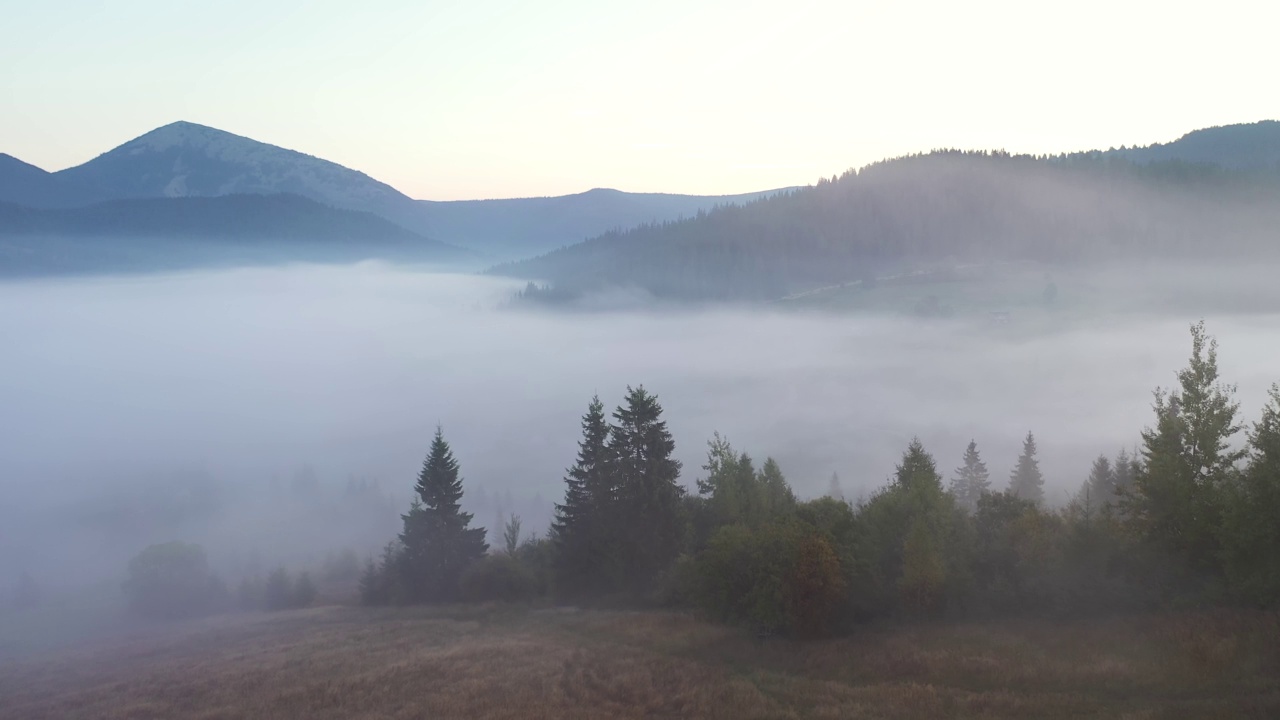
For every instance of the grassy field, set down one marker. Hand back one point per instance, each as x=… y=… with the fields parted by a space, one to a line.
x=339 y=662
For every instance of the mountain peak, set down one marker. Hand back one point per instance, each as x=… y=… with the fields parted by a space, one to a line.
x=186 y=159
x=189 y=135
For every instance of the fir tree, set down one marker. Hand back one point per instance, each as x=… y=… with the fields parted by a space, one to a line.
x=834 y=491
x=1177 y=497
x=1026 y=482
x=1251 y=538
x=778 y=497
x=649 y=493
x=918 y=471
x=581 y=530
x=1101 y=485
x=971 y=479
x=371 y=584
x=438 y=540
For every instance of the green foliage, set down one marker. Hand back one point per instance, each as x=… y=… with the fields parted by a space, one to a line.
x=438 y=542
x=921 y=585
x=172 y=580
x=1176 y=504
x=585 y=538
x=971 y=479
x=780 y=577
x=511 y=534
x=1026 y=481
x=500 y=578
x=1251 y=522
x=737 y=492
x=648 y=517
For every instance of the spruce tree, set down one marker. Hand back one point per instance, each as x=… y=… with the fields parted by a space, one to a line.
x=438 y=540
x=971 y=479
x=834 y=491
x=778 y=498
x=1176 y=503
x=581 y=526
x=1026 y=482
x=649 y=493
x=1251 y=527
x=918 y=471
x=1101 y=485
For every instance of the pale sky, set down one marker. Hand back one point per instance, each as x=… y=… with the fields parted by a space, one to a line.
x=492 y=98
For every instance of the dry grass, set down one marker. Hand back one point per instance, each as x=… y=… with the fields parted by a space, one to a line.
x=491 y=663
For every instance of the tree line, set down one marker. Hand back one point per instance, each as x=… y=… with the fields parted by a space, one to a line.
x=919 y=211
x=1189 y=518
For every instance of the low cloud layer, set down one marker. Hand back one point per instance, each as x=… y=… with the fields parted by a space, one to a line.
x=245 y=376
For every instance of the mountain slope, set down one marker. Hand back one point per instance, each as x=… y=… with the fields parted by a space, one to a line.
x=1251 y=146
x=164 y=233
x=26 y=184
x=510 y=229
x=188 y=160
x=934 y=210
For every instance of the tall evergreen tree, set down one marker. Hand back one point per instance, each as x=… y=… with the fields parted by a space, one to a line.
x=1026 y=482
x=649 y=493
x=1188 y=459
x=918 y=471
x=777 y=494
x=438 y=540
x=1100 y=487
x=1125 y=468
x=581 y=529
x=971 y=479
x=1251 y=537
x=834 y=491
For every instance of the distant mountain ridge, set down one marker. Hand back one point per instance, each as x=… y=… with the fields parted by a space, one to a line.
x=185 y=159
x=931 y=211
x=1248 y=146
x=161 y=233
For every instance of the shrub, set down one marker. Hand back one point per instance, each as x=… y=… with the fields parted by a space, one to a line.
x=781 y=577
x=498 y=578
x=172 y=580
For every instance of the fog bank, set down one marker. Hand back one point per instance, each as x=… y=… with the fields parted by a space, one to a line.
x=240 y=378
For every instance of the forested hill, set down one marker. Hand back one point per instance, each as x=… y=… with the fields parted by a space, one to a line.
x=165 y=233
x=1253 y=146
x=937 y=209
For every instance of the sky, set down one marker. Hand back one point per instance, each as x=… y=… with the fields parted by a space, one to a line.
x=497 y=98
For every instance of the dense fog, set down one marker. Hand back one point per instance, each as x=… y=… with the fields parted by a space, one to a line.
x=252 y=410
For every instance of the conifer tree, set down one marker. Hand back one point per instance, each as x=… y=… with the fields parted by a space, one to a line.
x=777 y=494
x=918 y=471
x=1251 y=537
x=834 y=491
x=1176 y=503
x=971 y=479
x=1101 y=485
x=438 y=540
x=1026 y=482
x=649 y=493
x=581 y=525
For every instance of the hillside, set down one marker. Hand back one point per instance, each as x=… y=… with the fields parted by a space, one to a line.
x=185 y=159
x=25 y=184
x=522 y=227
x=162 y=233
x=1252 y=146
x=928 y=211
